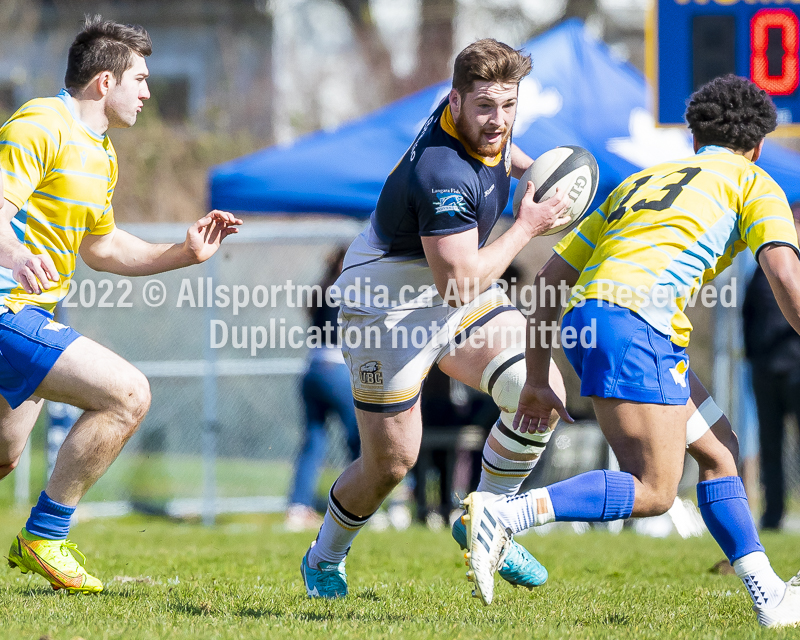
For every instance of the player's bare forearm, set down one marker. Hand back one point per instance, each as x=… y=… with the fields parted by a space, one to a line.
x=520 y=161
x=10 y=245
x=461 y=271
x=458 y=264
x=782 y=268
x=126 y=255
x=537 y=399
x=34 y=271
x=537 y=356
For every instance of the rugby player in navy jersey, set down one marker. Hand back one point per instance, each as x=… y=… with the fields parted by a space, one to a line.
x=419 y=289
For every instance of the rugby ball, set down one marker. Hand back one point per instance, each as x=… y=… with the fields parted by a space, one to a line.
x=571 y=168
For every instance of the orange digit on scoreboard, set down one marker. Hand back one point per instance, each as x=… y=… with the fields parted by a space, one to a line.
x=763 y=21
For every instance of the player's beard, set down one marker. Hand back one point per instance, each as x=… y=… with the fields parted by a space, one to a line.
x=474 y=142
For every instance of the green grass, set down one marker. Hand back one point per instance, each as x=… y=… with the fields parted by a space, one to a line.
x=241 y=579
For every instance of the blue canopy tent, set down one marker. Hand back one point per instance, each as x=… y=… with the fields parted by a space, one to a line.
x=578 y=93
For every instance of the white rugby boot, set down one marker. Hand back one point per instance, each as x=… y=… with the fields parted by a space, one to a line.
x=487 y=544
x=787 y=613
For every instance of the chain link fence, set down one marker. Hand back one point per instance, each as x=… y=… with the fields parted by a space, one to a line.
x=224 y=346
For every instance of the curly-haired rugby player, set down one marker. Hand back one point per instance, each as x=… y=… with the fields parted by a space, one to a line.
x=636 y=261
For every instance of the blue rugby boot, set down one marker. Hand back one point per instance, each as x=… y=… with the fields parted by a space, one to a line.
x=519 y=567
x=327 y=581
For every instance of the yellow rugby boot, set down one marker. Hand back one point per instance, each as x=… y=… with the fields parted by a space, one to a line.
x=52 y=560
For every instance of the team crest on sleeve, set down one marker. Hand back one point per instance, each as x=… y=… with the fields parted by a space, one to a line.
x=507 y=158
x=370 y=373
x=450 y=202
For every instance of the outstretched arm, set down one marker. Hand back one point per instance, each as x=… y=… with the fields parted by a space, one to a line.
x=782 y=268
x=537 y=399
x=126 y=255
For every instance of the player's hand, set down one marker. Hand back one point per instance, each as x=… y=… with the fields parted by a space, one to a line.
x=35 y=272
x=536 y=403
x=543 y=216
x=205 y=236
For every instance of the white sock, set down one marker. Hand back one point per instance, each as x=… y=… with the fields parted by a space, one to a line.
x=519 y=513
x=765 y=587
x=502 y=476
x=339 y=529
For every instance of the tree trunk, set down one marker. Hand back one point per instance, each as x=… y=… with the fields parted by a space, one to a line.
x=435 y=52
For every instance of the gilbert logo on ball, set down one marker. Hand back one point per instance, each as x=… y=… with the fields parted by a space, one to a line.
x=571 y=168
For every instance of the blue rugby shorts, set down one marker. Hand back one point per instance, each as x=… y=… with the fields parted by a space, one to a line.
x=30 y=344
x=626 y=358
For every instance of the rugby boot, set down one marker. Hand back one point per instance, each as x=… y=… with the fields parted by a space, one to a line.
x=329 y=580
x=53 y=560
x=519 y=568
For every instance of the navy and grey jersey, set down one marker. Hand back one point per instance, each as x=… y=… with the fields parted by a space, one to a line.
x=437 y=188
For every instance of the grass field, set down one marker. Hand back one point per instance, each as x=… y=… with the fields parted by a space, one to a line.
x=241 y=579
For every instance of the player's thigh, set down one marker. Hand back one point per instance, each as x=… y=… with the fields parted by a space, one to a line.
x=16 y=426
x=467 y=361
x=505 y=332
x=649 y=440
x=89 y=376
x=390 y=438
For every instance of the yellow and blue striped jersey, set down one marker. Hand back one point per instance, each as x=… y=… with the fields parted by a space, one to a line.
x=667 y=230
x=61 y=176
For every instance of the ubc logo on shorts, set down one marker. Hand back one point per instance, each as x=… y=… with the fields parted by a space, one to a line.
x=370 y=373
x=450 y=202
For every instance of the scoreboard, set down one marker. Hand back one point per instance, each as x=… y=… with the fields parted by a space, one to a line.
x=690 y=42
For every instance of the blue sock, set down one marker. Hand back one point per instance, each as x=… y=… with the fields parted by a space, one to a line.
x=49 y=519
x=596 y=496
x=723 y=505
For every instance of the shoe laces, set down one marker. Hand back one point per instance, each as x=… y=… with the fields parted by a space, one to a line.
x=69 y=545
x=331 y=573
x=795 y=581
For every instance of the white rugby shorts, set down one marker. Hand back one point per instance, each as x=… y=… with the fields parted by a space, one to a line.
x=390 y=351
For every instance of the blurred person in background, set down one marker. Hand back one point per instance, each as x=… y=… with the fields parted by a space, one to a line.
x=60 y=171
x=325 y=390
x=772 y=347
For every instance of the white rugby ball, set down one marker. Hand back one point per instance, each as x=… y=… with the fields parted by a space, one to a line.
x=573 y=169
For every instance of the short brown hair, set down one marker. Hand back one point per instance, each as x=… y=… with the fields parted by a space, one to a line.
x=104 y=45
x=490 y=61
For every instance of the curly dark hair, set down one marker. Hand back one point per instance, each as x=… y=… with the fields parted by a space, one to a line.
x=731 y=112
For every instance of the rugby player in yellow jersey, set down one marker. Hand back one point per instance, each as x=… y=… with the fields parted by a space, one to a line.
x=60 y=170
x=634 y=264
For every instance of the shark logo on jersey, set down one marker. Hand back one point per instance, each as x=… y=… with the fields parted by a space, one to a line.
x=679 y=373
x=449 y=202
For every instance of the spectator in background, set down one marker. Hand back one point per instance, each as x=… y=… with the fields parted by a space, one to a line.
x=773 y=349
x=326 y=388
